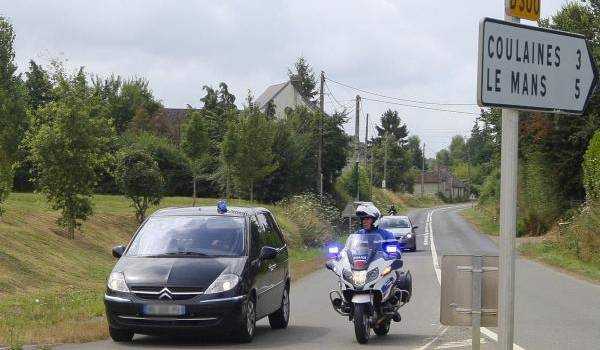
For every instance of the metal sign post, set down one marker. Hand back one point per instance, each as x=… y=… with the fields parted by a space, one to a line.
x=529 y=69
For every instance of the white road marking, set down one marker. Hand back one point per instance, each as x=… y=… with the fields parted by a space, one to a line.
x=460 y=344
x=433 y=340
x=486 y=331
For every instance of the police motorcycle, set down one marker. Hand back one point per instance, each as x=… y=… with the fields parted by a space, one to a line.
x=371 y=285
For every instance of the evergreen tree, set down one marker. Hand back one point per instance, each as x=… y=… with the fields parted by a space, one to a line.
x=304 y=76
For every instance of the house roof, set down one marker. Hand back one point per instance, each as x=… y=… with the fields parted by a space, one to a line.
x=272 y=91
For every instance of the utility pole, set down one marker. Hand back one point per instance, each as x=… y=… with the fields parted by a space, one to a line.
x=423 y=173
x=367 y=140
x=320 y=155
x=385 y=157
x=356 y=146
x=508 y=221
x=469 y=169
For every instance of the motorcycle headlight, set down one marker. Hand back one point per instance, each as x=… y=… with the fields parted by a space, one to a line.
x=223 y=283
x=386 y=270
x=372 y=275
x=359 y=278
x=116 y=282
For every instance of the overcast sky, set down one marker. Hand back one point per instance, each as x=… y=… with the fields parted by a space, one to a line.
x=423 y=50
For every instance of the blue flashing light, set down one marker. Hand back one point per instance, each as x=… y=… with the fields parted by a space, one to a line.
x=391 y=249
x=334 y=250
x=221 y=207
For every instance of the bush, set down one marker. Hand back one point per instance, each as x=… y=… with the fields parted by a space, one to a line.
x=490 y=190
x=591 y=169
x=582 y=237
x=314 y=218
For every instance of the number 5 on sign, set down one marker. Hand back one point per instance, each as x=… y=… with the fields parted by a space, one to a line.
x=527 y=9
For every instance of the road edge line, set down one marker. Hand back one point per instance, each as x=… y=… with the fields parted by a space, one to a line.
x=486 y=331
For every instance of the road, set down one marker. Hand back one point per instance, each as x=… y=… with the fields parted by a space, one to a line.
x=553 y=310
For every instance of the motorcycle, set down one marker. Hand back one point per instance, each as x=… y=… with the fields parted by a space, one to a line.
x=372 y=286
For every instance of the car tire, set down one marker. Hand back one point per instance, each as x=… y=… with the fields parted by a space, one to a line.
x=247 y=326
x=120 y=335
x=280 y=318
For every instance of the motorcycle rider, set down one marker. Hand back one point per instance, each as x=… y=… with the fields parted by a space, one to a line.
x=369 y=221
x=393 y=210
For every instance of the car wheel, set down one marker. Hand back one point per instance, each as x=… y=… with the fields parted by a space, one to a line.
x=120 y=335
x=280 y=318
x=247 y=326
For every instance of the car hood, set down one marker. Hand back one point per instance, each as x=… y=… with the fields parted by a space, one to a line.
x=400 y=231
x=188 y=272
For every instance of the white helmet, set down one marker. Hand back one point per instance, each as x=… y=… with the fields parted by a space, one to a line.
x=368 y=210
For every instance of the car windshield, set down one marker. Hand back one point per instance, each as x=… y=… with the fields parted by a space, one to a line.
x=391 y=222
x=189 y=236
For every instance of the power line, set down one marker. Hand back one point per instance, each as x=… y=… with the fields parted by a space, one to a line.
x=398 y=98
x=421 y=107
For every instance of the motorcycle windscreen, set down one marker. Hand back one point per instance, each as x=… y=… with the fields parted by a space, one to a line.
x=362 y=248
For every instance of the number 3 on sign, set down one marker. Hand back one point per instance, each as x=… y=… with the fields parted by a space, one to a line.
x=526 y=9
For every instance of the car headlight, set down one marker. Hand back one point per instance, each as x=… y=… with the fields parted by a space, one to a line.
x=409 y=235
x=359 y=278
x=116 y=282
x=223 y=283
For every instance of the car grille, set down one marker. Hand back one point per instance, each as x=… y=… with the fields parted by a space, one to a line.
x=168 y=321
x=166 y=293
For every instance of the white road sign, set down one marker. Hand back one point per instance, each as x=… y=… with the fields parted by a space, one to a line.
x=530 y=68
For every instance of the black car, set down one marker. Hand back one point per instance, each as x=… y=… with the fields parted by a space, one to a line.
x=188 y=269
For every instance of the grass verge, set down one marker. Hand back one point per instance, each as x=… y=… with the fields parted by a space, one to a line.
x=482 y=220
x=51 y=288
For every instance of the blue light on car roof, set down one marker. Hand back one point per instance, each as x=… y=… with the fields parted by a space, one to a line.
x=221 y=207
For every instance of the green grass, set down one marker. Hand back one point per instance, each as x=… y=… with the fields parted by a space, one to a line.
x=482 y=220
x=51 y=287
x=553 y=253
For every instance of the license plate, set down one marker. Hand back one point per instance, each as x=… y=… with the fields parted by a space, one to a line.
x=163 y=310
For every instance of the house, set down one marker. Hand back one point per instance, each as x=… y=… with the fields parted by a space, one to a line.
x=442 y=181
x=284 y=95
x=172 y=119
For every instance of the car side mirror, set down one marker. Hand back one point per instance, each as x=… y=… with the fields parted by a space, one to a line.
x=268 y=253
x=118 y=251
x=396 y=264
x=329 y=265
x=415 y=227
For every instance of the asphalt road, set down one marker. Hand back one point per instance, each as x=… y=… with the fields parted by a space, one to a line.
x=553 y=310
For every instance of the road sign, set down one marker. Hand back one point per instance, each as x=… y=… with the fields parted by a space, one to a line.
x=458 y=304
x=530 y=68
x=527 y=9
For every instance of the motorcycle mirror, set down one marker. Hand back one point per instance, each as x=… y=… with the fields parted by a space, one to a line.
x=396 y=264
x=329 y=265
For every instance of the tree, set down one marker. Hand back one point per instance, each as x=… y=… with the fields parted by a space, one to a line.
x=195 y=142
x=67 y=148
x=391 y=124
x=443 y=158
x=254 y=157
x=38 y=85
x=13 y=117
x=304 y=76
x=457 y=149
x=229 y=149
x=413 y=147
x=140 y=180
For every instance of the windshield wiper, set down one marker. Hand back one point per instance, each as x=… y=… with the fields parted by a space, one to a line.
x=186 y=253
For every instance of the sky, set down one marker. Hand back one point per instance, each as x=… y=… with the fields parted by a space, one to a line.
x=416 y=50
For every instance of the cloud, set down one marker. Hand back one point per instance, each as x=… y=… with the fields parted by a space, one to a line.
x=415 y=49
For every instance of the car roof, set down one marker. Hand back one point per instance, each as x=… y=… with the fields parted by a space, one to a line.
x=208 y=210
x=395 y=216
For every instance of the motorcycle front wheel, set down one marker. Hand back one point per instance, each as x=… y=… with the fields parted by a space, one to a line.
x=362 y=329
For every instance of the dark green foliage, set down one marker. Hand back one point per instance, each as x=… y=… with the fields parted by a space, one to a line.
x=172 y=162
x=346 y=184
x=591 y=169
x=195 y=143
x=13 y=117
x=140 y=180
x=303 y=74
x=415 y=150
x=38 y=85
x=392 y=125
